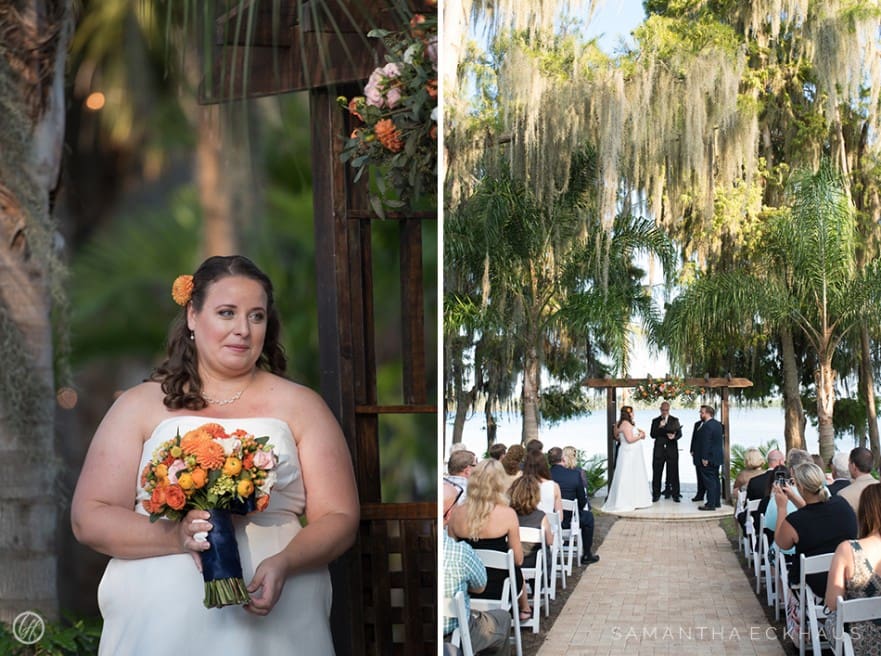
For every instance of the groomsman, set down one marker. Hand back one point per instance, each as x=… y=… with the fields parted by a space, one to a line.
x=708 y=441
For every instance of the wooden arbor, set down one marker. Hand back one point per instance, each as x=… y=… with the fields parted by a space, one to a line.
x=723 y=384
x=385 y=588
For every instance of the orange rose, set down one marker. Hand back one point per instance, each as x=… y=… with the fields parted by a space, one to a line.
x=182 y=289
x=200 y=477
x=144 y=475
x=248 y=462
x=245 y=488
x=431 y=88
x=262 y=502
x=158 y=498
x=175 y=497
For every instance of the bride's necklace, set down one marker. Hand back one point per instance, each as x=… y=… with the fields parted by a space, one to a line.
x=235 y=397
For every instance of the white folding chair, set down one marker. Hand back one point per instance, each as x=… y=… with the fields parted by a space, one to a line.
x=508 y=598
x=536 y=575
x=852 y=610
x=811 y=607
x=572 y=546
x=768 y=558
x=461 y=637
x=749 y=529
x=554 y=564
x=781 y=574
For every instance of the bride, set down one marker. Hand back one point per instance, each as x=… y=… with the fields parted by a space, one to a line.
x=630 y=485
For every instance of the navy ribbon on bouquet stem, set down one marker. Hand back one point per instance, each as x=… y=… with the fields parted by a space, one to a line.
x=222 y=560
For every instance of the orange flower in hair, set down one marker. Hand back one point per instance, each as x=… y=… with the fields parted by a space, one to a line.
x=182 y=289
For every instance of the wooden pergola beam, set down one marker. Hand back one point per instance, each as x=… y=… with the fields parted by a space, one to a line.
x=713 y=383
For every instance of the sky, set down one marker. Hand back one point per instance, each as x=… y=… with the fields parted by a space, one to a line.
x=613 y=20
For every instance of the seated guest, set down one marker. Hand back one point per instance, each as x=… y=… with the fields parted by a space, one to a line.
x=525 y=494
x=860 y=466
x=853 y=573
x=497 y=450
x=818 y=526
x=840 y=473
x=486 y=521
x=537 y=464
x=572 y=487
x=459 y=467
x=512 y=461
x=464 y=571
x=752 y=467
x=535 y=445
x=758 y=486
x=771 y=509
x=570 y=461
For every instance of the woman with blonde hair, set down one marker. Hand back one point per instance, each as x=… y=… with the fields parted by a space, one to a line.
x=486 y=521
x=819 y=525
x=570 y=461
x=854 y=572
x=752 y=467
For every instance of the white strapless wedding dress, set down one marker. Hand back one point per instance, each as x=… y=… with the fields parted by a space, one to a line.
x=154 y=605
x=630 y=487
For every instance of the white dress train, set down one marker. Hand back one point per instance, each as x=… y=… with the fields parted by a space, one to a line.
x=630 y=487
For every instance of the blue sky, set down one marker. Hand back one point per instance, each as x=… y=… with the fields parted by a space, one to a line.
x=614 y=19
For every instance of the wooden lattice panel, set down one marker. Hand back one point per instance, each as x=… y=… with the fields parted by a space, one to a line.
x=398 y=547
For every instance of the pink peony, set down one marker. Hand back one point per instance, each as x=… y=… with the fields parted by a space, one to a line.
x=391 y=70
x=371 y=91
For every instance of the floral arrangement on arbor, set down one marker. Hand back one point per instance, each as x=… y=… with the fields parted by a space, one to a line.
x=668 y=388
x=397 y=135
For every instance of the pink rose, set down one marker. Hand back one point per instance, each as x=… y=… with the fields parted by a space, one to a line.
x=371 y=91
x=391 y=70
x=264 y=460
x=393 y=97
x=173 y=469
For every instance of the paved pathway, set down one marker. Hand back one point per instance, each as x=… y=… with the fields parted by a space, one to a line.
x=663 y=587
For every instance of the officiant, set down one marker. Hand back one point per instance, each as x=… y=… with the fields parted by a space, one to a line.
x=666 y=431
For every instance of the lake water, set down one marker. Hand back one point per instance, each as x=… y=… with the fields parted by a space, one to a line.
x=748 y=427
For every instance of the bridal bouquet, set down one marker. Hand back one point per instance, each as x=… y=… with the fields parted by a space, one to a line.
x=208 y=469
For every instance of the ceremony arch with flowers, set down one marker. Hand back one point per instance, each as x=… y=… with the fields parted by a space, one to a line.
x=670 y=388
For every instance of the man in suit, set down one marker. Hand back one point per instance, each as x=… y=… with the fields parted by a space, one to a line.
x=666 y=431
x=571 y=487
x=860 y=465
x=693 y=449
x=840 y=466
x=710 y=439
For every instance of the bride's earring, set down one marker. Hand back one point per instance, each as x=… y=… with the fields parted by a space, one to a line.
x=192 y=335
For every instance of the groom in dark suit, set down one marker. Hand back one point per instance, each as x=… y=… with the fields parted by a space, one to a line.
x=666 y=431
x=708 y=442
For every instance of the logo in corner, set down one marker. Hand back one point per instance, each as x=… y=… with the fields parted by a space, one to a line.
x=28 y=627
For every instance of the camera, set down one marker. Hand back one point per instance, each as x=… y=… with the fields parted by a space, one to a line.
x=780 y=477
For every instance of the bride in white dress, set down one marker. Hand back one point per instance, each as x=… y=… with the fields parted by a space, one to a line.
x=225 y=365
x=630 y=485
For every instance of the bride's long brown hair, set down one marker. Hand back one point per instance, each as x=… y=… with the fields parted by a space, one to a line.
x=626 y=415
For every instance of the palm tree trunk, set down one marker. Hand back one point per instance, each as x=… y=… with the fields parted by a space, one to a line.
x=529 y=397
x=35 y=36
x=867 y=392
x=824 y=378
x=793 y=429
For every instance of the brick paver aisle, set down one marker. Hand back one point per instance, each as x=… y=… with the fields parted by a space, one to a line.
x=663 y=587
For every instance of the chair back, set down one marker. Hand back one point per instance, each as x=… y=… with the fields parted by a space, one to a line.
x=853 y=610
x=536 y=574
x=492 y=559
x=455 y=607
x=740 y=504
x=810 y=605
